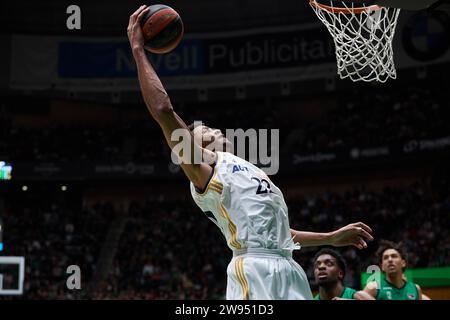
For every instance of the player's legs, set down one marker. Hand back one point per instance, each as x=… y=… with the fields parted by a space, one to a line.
x=299 y=283
x=249 y=279
x=266 y=278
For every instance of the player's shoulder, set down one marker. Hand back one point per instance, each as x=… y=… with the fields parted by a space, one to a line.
x=419 y=289
x=411 y=284
x=230 y=163
x=214 y=182
x=350 y=291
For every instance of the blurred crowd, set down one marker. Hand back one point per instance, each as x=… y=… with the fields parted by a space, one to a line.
x=52 y=234
x=379 y=118
x=170 y=250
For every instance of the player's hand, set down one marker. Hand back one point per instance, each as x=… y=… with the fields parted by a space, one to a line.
x=134 y=31
x=355 y=234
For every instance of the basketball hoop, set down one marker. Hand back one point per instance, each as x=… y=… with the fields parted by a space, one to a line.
x=363 y=39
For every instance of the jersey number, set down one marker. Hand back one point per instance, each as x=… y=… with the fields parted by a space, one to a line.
x=263 y=186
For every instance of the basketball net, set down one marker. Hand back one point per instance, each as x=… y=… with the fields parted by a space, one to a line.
x=363 y=39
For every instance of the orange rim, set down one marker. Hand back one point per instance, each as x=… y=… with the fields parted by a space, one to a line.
x=344 y=10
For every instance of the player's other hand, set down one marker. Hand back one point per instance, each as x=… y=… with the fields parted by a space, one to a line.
x=134 y=30
x=355 y=234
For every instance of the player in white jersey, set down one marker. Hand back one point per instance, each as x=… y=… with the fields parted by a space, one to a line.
x=239 y=197
x=250 y=210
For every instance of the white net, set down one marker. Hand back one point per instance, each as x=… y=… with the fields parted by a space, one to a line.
x=363 y=39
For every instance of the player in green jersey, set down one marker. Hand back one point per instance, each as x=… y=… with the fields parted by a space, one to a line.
x=393 y=284
x=329 y=273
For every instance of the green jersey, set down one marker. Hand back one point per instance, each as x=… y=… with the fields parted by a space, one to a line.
x=347 y=293
x=387 y=291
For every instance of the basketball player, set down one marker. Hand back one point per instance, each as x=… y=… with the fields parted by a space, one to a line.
x=393 y=284
x=239 y=198
x=329 y=273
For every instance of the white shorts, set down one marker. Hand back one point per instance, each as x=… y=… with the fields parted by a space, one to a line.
x=264 y=274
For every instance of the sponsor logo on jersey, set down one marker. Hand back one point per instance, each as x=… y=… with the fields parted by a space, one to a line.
x=411 y=296
x=237 y=168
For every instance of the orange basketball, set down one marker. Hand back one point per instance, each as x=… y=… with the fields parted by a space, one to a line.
x=163 y=29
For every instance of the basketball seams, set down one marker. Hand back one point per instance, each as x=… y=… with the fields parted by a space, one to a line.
x=158 y=21
x=163 y=29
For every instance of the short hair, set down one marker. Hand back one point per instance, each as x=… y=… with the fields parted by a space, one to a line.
x=386 y=245
x=339 y=258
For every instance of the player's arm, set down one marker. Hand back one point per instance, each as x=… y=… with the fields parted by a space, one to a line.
x=359 y=295
x=425 y=297
x=159 y=105
x=363 y=295
x=421 y=295
x=371 y=289
x=355 y=234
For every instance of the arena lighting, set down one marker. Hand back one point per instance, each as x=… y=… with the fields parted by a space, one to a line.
x=63 y=188
x=24 y=188
x=5 y=171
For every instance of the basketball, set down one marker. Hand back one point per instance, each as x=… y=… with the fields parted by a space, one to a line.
x=162 y=28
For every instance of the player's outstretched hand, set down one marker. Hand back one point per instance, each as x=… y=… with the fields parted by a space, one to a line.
x=355 y=234
x=134 y=30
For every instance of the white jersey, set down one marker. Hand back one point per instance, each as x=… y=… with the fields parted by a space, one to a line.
x=252 y=214
x=242 y=201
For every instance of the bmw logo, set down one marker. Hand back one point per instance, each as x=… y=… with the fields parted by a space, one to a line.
x=426 y=35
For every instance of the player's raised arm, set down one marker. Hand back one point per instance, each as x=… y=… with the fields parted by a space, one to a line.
x=355 y=234
x=159 y=105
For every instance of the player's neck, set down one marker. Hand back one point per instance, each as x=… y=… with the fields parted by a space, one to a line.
x=210 y=157
x=328 y=293
x=396 y=279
